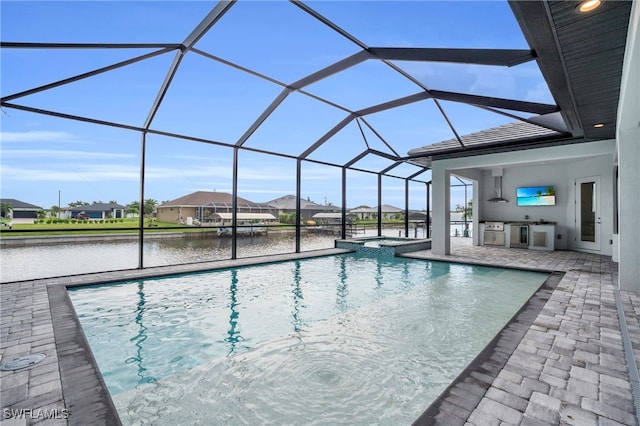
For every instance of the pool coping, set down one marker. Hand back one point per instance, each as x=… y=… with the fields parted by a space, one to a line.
x=26 y=307
x=573 y=364
x=83 y=388
x=67 y=387
x=74 y=349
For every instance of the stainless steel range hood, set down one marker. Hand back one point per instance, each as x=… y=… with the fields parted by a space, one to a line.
x=498 y=187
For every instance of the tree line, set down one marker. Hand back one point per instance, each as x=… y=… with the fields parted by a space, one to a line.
x=133 y=208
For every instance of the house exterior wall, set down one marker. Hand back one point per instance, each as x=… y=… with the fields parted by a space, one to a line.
x=93 y=214
x=306 y=214
x=173 y=214
x=562 y=166
x=563 y=176
x=475 y=176
x=24 y=214
x=628 y=160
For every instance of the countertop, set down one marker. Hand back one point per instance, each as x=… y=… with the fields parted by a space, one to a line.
x=522 y=222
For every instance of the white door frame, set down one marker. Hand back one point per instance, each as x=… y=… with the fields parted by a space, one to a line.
x=588 y=245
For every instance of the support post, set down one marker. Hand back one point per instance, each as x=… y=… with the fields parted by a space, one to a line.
x=428 y=223
x=379 y=205
x=298 y=195
x=234 y=207
x=406 y=208
x=344 y=203
x=465 y=231
x=441 y=180
x=143 y=149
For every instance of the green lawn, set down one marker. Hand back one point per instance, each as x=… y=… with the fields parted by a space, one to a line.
x=94 y=227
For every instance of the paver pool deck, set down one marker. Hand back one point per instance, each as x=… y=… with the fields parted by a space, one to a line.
x=566 y=364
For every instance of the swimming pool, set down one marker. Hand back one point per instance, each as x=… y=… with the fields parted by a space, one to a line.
x=350 y=338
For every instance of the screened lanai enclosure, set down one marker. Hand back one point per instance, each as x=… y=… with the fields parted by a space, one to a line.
x=131 y=102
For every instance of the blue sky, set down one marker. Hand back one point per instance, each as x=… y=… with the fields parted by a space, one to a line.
x=43 y=156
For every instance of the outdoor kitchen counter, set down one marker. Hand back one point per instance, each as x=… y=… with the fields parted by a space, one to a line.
x=522 y=222
x=529 y=222
x=541 y=235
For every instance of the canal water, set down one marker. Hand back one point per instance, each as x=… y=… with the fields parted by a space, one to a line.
x=28 y=262
x=53 y=260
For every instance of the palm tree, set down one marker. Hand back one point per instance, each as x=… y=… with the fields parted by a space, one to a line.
x=133 y=208
x=54 y=211
x=149 y=206
x=5 y=209
x=467 y=212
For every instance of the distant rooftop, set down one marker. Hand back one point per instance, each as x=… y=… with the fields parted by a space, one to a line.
x=288 y=202
x=96 y=207
x=201 y=198
x=17 y=204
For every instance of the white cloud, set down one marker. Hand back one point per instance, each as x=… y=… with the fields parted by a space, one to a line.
x=188 y=171
x=317 y=172
x=492 y=81
x=279 y=192
x=110 y=173
x=539 y=93
x=199 y=158
x=106 y=174
x=36 y=136
x=62 y=154
x=266 y=173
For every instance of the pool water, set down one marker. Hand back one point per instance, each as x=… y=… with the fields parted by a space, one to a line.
x=340 y=339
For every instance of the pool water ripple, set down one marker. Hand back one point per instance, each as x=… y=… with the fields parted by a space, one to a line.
x=374 y=344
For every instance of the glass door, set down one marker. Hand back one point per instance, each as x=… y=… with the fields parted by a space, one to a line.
x=588 y=213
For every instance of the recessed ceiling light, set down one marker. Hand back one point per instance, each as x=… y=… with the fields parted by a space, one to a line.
x=588 y=6
x=598 y=125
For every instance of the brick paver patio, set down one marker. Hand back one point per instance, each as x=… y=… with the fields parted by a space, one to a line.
x=564 y=365
x=570 y=367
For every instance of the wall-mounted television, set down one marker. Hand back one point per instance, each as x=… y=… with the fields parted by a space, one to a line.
x=536 y=196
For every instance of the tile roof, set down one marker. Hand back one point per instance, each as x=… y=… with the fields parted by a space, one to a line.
x=17 y=204
x=97 y=207
x=386 y=208
x=289 y=202
x=519 y=131
x=201 y=198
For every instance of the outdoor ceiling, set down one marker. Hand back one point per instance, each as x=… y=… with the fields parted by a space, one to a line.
x=581 y=57
x=336 y=97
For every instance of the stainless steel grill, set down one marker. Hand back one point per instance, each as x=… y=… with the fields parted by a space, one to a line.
x=494 y=226
x=494 y=233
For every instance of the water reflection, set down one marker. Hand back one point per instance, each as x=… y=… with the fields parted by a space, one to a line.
x=379 y=275
x=170 y=326
x=342 y=291
x=233 y=335
x=140 y=338
x=297 y=322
